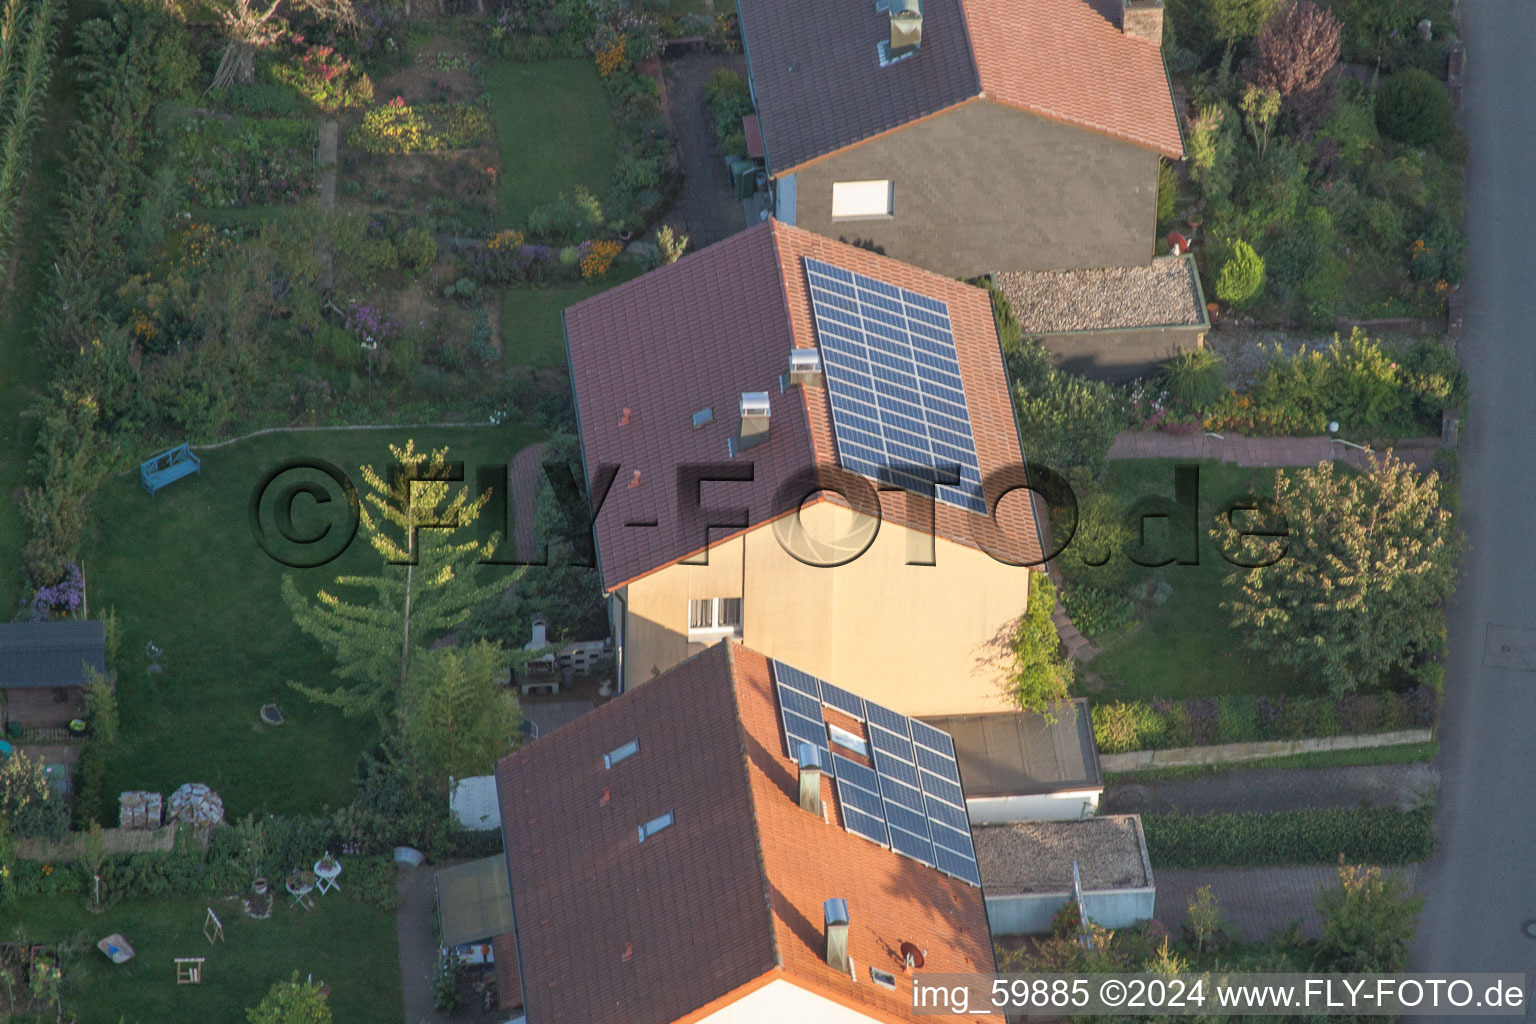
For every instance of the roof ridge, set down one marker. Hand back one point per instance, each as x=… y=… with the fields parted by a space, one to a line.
x=757 y=835
x=775 y=231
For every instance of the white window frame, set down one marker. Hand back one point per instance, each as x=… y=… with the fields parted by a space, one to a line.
x=619 y=753
x=656 y=825
x=717 y=614
x=864 y=200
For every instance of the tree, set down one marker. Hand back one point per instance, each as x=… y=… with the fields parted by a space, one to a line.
x=1039 y=675
x=1203 y=917
x=412 y=517
x=291 y=1002
x=100 y=708
x=27 y=803
x=1296 y=55
x=456 y=719
x=1236 y=20
x=1368 y=561
x=1368 y=922
x=1260 y=105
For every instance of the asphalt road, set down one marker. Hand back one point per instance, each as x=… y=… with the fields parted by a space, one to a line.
x=1481 y=885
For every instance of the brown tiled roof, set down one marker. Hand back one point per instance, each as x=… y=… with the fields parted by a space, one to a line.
x=695 y=335
x=730 y=896
x=820 y=86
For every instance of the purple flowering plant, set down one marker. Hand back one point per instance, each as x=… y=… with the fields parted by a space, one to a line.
x=65 y=596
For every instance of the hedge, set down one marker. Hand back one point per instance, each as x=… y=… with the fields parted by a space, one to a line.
x=1162 y=724
x=1361 y=835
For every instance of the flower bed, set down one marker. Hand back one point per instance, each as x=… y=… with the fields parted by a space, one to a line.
x=248 y=162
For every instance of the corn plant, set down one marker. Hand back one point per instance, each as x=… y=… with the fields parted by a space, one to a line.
x=27 y=90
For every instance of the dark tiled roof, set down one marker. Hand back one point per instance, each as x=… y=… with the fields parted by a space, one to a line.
x=819 y=83
x=1021 y=753
x=1063 y=59
x=727 y=898
x=696 y=334
x=36 y=654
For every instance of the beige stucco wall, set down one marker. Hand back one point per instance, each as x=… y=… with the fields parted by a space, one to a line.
x=914 y=637
x=780 y=1001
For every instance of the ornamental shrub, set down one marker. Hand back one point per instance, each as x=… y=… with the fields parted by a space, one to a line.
x=417 y=250
x=1414 y=108
x=1167 y=192
x=1242 y=275
x=1197 y=379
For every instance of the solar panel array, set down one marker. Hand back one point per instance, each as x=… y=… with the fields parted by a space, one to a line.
x=911 y=800
x=893 y=378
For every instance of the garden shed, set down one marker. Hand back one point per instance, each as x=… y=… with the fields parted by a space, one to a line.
x=1021 y=766
x=1026 y=872
x=43 y=668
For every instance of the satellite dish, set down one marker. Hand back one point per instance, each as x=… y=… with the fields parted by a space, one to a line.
x=911 y=955
x=1177 y=243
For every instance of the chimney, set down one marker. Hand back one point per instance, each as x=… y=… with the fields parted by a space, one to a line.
x=754 y=420
x=906 y=26
x=810 y=779
x=805 y=367
x=836 y=911
x=1143 y=19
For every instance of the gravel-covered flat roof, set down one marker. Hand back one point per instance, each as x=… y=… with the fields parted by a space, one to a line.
x=1163 y=293
x=1037 y=856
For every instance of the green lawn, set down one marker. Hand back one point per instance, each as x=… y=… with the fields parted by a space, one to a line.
x=532 y=333
x=554 y=130
x=183 y=570
x=1187 y=646
x=344 y=943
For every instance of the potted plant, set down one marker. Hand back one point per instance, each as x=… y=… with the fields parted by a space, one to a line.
x=327 y=864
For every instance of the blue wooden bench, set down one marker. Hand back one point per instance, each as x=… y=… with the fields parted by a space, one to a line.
x=168 y=467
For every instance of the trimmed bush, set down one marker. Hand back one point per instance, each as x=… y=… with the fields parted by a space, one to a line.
x=1124 y=726
x=1370 y=835
x=1414 y=108
x=1242 y=275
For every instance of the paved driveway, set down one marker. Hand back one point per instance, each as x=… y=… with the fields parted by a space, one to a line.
x=1482 y=885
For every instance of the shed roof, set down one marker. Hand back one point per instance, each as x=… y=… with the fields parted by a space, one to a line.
x=474 y=903
x=52 y=653
x=1020 y=753
x=1037 y=856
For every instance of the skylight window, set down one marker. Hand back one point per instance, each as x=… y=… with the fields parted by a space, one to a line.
x=885 y=979
x=618 y=754
x=847 y=740
x=655 y=825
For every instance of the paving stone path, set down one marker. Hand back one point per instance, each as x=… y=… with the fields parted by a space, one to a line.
x=707 y=211
x=1256 y=901
x=1260 y=452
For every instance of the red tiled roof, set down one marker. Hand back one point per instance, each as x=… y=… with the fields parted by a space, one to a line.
x=727 y=898
x=695 y=335
x=1066 y=60
x=820 y=87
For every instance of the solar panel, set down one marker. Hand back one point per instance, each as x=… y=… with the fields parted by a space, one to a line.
x=911 y=800
x=847 y=703
x=899 y=412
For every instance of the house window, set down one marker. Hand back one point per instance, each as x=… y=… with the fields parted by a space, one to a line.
x=853 y=200
x=714 y=615
x=619 y=753
x=655 y=825
x=885 y=979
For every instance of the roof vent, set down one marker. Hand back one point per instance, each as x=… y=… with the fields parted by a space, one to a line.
x=906 y=28
x=805 y=367
x=836 y=911
x=754 y=420
x=810 y=779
